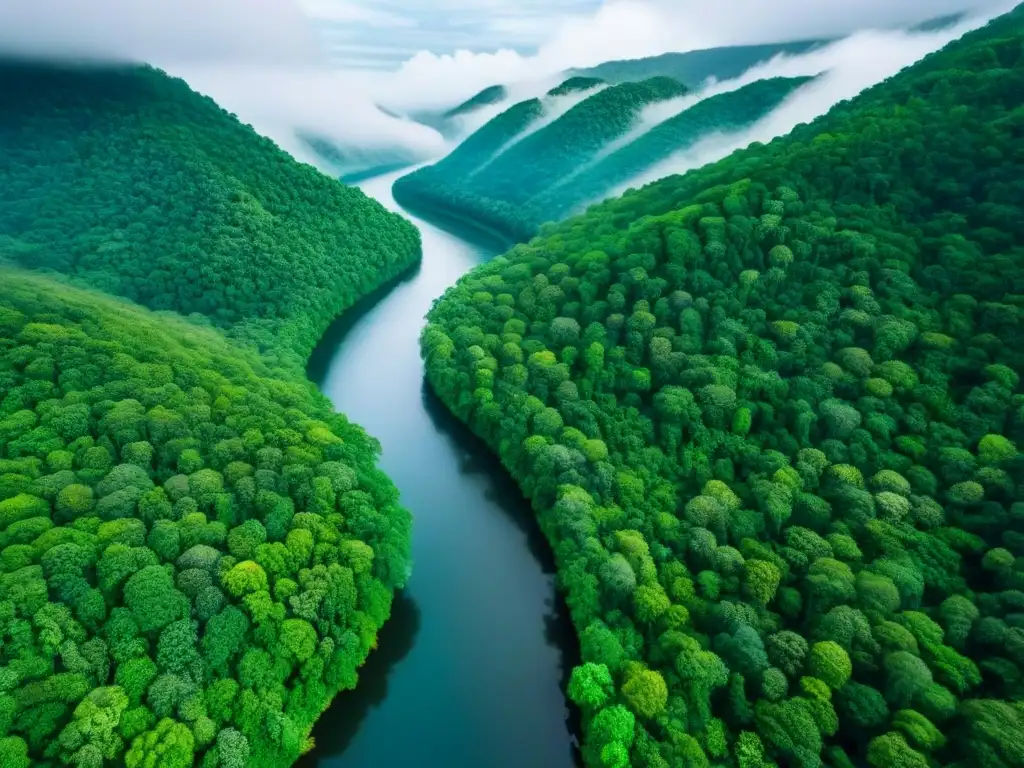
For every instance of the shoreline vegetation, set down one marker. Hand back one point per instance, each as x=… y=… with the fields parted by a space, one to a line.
x=769 y=416
x=196 y=551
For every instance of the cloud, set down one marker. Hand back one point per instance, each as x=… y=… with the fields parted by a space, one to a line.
x=158 y=31
x=262 y=63
x=847 y=68
x=622 y=29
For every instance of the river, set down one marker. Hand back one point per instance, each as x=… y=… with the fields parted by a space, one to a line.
x=471 y=667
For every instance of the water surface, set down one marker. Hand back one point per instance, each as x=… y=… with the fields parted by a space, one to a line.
x=470 y=669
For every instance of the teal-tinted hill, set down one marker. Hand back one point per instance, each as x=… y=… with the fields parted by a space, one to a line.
x=486 y=97
x=695 y=67
x=196 y=552
x=131 y=182
x=770 y=414
x=513 y=188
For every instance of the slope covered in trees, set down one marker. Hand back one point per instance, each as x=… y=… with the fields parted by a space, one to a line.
x=504 y=176
x=195 y=555
x=770 y=416
x=693 y=68
x=486 y=97
x=723 y=113
x=128 y=180
x=574 y=160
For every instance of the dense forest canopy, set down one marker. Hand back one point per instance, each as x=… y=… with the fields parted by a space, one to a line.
x=770 y=415
x=195 y=555
x=693 y=68
x=133 y=183
x=597 y=146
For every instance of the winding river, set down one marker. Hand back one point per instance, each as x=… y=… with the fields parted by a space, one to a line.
x=471 y=667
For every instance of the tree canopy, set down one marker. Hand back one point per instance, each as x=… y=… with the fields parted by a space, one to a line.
x=770 y=416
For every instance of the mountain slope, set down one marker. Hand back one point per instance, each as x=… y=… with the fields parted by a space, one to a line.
x=517 y=156
x=131 y=182
x=695 y=67
x=513 y=189
x=770 y=416
x=722 y=113
x=196 y=554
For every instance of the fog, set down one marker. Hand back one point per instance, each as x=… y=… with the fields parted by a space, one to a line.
x=263 y=61
x=554 y=108
x=847 y=67
x=623 y=29
x=263 y=64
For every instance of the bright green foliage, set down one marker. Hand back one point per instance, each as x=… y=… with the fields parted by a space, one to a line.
x=162 y=606
x=590 y=685
x=861 y=541
x=132 y=182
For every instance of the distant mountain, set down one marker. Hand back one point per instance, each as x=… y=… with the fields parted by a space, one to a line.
x=695 y=67
x=516 y=173
x=486 y=97
x=526 y=150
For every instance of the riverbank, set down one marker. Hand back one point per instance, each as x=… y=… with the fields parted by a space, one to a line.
x=471 y=669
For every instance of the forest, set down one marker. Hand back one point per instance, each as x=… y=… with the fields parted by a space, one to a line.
x=514 y=186
x=769 y=414
x=196 y=551
x=132 y=183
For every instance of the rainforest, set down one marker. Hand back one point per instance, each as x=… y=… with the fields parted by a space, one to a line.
x=671 y=418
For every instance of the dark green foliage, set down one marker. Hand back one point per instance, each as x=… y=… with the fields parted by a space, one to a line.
x=725 y=112
x=575 y=84
x=492 y=183
x=133 y=183
x=770 y=416
x=176 y=518
x=693 y=68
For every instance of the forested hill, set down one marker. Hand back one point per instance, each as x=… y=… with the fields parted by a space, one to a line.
x=128 y=180
x=514 y=185
x=770 y=416
x=694 y=67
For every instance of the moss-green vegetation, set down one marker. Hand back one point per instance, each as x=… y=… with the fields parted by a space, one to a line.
x=494 y=182
x=196 y=552
x=129 y=181
x=770 y=416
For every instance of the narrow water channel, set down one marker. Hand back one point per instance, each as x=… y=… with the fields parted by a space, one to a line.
x=471 y=667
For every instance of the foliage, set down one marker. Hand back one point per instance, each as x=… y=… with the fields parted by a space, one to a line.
x=195 y=554
x=769 y=414
x=492 y=177
x=131 y=182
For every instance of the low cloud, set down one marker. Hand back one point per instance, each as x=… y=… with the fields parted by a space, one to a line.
x=623 y=29
x=847 y=68
x=263 y=63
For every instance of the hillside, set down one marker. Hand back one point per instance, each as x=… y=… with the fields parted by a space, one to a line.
x=769 y=414
x=196 y=555
x=130 y=182
x=597 y=146
x=494 y=189
x=693 y=68
x=722 y=113
x=486 y=97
